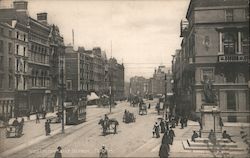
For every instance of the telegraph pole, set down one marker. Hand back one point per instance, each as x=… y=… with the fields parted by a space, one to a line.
x=110 y=91
x=62 y=97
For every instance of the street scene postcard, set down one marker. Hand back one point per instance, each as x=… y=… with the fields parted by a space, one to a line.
x=124 y=78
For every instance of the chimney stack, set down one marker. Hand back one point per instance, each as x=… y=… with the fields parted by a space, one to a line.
x=20 y=5
x=42 y=17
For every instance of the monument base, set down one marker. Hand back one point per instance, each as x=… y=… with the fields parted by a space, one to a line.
x=210 y=120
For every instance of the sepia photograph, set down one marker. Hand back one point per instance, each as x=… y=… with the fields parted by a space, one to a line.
x=124 y=78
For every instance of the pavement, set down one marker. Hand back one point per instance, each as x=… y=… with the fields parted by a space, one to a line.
x=85 y=140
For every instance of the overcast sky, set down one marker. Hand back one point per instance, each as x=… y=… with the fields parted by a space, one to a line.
x=144 y=33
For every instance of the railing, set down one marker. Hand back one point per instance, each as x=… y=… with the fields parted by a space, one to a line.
x=233 y=58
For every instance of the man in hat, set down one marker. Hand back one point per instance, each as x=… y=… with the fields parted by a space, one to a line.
x=58 y=153
x=103 y=152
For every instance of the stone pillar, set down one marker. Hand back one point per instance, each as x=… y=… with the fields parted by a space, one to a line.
x=221 y=44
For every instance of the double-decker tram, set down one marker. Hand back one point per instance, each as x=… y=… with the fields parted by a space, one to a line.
x=75 y=113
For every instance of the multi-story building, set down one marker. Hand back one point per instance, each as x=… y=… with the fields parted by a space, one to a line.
x=35 y=44
x=139 y=86
x=116 y=79
x=215 y=44
x=6 y=71
x=161 y=81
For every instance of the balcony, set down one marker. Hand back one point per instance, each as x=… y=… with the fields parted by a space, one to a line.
x=234 y=58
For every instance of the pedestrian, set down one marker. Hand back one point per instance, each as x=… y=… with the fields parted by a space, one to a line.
x=167 y=125
x=227 y=136
x=47 y=127
x=171 y=135
x=15 y=122
x=28 y=115
x=58 y=153
x=185 y=121
x=195 y=135
x=164 y=150
x=149 y=106
x=177 y=120
x=162 y=125
x=158 y=108
x=172 y=123
x=182 y=122
x=212 y=137
x=103 y=152
x=165 y=138
x=156 y=130
x=221 y=122
x=37 y=118
x=200 y=123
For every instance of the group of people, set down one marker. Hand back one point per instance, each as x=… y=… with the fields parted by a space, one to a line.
x=167 y=140
x=18 y=126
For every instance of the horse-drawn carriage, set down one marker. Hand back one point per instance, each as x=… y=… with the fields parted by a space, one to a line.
x=14 y=131
x=143 y=110
x=128 y=117
x=109 y=126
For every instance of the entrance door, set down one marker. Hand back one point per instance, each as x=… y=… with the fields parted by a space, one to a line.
x=231 y=105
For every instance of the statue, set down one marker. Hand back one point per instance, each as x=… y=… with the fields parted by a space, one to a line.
x=210 y=97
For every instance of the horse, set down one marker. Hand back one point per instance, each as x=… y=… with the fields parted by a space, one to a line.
x=108 y=124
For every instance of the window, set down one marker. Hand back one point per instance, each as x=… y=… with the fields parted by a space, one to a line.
x=1 y=62
x=229 y=15
x=207 y=72
x=10 y=33
x=1 y=81
x=17 y=65
x=24 y=37
x=247 y=13
x=10 y=63
x=24 y=66
x=231 y=100
x=10 y=81
x=10 y=48
x=1 y=46
x=17 y=82
x=245 y=42
x=17 y=49
x=17 y=35
x=69 y=85
x=229 y=42
x=1 y=31
x=24 y=51
x=24 y=83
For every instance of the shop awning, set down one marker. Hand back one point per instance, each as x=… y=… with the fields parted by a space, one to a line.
x=92 y=96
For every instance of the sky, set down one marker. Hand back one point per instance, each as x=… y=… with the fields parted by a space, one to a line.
x=143 y=34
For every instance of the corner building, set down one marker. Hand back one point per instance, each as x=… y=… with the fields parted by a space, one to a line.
x=215 y=44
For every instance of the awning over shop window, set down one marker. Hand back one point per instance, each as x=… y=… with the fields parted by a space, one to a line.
x=92 y=96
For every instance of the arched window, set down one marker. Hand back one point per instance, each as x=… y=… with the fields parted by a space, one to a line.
x=229 y=43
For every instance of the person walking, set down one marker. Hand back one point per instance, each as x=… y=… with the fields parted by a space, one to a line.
x=164 y=150
x=162 y=125
x=103 y=152
x=171 y=135
x=156 y=130
x=58 y=153
x=47 y=128
x=37 y=118
x=149 y=106
x=182 y=122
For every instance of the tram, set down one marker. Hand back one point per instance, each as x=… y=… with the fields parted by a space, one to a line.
x=75 y=114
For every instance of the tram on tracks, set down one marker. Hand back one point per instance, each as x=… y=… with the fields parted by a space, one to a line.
x=75 y=114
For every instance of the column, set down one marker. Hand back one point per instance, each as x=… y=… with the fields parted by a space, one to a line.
x=221 y=44
x=239 y=43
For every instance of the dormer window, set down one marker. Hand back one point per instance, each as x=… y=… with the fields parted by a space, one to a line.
x=229 y=15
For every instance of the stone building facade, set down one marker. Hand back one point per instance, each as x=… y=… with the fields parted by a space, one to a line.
x=37 y=53
x=215 y=44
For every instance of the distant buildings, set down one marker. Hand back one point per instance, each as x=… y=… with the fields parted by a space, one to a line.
x=156 y=85
x=215 y=44
x=89 y=71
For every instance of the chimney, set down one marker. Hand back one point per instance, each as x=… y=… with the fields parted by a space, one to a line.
x=20 y=5
x=42 y=17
